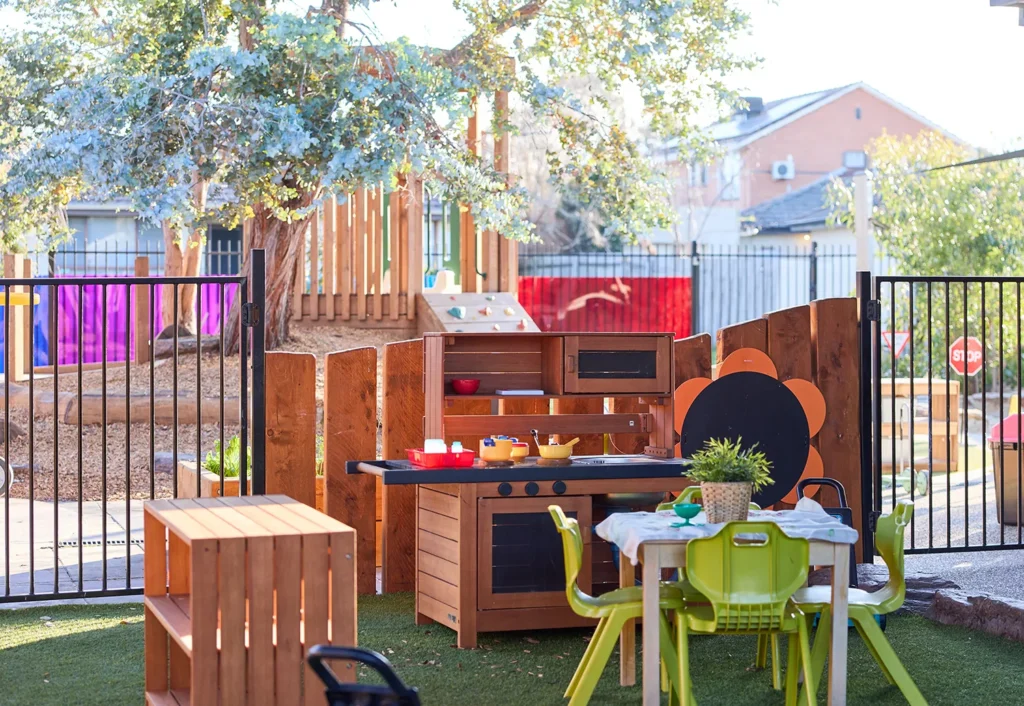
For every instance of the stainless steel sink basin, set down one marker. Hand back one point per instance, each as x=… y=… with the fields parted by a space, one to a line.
x=614 y=460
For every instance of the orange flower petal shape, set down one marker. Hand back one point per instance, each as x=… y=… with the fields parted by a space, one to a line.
x=748 y=360
x=811 y=400
x=683 y=398
x=814 y=469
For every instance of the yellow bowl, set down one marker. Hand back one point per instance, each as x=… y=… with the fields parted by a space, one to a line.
x=553 y=451
x=520 y=451
x=501 y=451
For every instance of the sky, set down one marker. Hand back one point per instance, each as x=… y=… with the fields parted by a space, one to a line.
x=953 y=61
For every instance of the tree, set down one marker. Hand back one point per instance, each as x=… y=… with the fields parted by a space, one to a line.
x=942 y=222
x=301 y=108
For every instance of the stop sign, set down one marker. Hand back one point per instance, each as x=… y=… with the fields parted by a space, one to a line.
x=965 y=356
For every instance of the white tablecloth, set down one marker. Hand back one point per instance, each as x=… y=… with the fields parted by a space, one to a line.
x=627 y=530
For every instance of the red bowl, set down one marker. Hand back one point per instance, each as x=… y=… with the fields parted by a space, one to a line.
x=465 y=387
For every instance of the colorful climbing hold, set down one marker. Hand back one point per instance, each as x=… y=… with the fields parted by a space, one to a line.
x=522 y=325
x=497 y=327
x=490 y=297
x=459 y=312
x=486 y=311
x=509 y=311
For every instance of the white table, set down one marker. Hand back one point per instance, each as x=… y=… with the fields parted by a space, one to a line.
x=650 y=538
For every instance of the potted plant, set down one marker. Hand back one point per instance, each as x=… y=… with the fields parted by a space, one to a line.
x=210 y=471
x=728 y=475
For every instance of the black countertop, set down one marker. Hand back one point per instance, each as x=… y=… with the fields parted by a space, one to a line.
x=581 y=468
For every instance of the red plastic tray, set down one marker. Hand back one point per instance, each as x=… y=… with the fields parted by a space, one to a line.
x=419 y=457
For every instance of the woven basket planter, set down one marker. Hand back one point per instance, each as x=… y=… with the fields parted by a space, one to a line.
x=726 y=502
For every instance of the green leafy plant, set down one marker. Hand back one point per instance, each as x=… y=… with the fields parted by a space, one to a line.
x=319 y=455
x=232 y=459
x=726 y=461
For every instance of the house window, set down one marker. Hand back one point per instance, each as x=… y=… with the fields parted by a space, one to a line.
x=857 y=159
x=729 y=177
x=698 y=174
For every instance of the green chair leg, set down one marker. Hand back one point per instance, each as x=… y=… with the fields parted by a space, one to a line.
x=685 y=685
x=810 y=681
x=587 y=656
x=890 y=662
x=762 y=652
x=603 y=647
x=792 y=670
x=874 y=653
x=776 y=663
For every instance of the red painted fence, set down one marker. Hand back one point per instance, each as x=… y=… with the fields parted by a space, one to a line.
x=608 y=304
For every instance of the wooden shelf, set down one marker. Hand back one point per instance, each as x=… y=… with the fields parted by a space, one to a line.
x=545 y=396
x=172 y=612
x=177 y=697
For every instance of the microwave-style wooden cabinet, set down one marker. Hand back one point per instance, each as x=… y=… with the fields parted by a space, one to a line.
x=520 y=559
x=618 y=364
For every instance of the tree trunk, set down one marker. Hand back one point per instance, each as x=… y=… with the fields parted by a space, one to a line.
x=182 y=258
x=282 y=244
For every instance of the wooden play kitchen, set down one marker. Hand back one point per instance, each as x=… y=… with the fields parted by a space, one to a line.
x=488 y=557
x=236 y=590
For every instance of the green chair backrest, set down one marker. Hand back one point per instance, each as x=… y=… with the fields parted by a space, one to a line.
x=692 y=494
x=889 y=541
x=572 y=553
x=748 y=580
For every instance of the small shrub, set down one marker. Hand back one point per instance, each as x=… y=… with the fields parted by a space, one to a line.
x=726 y=461
x=232 y=459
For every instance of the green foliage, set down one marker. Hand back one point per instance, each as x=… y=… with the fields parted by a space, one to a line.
x=154 y=101
x=319 y=455
x=726 y=461
x=960 y=221
x=232 y=459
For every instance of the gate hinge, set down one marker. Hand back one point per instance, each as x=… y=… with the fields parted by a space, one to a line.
x=874 y=310
x=250 y=314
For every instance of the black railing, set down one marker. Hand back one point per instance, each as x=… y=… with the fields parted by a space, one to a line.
x=111 y=258
x=111 y=421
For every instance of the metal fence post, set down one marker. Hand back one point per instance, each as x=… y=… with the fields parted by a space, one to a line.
x=813 y=274
x=259 y=412
x=865 y=318
x=694 y=289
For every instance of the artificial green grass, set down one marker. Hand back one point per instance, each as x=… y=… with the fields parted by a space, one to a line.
x=92 y=655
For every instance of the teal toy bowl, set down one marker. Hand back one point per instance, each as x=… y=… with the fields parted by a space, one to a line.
x=687 y=511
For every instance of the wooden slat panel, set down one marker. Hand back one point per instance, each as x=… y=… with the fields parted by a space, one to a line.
x=315 y=611
x=749 y=334
x=232 y=622
x=562 y=425
x=401 y=429
x=344 y=619
x=837 y=372
x=350 y=434
x=400 y=286
x=314 y=265
x=345 y=245
x=467 y=409
x=260 y=578
x=467 y=590
x=203 y=610
x=789 y=342
x=179 y=565
x=440 y=503
x=156 y=654
x=154 y=560
x=300 y=277
x=291 y=425
x=360 y=235
x=438 y=524
x=394 y=253
x=492 y=363
x=589 y=443
x=444 y=614
x=438 y=589
x=288 y=589
x=330 y=233
x=439 y=546
x=628 y=443
x=413 y=264
x=692 y=359
x=439 y=568
x=378 y=253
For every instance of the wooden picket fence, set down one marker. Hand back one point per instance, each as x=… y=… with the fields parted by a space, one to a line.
x=816 y=342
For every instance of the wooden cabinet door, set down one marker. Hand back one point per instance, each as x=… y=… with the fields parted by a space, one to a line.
x=618 y=364
x=521 y=564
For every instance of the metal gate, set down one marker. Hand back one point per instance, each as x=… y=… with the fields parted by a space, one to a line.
x=107 y=402
x=942 y=369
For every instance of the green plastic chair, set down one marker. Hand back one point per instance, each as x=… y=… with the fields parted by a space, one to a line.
x=748 y=582
x=692 y=495
x=865 y=606
x=612 y=610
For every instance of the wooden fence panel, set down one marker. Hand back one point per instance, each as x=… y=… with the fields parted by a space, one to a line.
x=291 y=425
x=837 y=375
x=330 y=233
x=402 y=428
x=345 y=242
x=789 y=342
x=350 y=434
x=749 y=334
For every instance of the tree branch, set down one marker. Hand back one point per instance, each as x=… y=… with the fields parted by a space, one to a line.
x=498 y=26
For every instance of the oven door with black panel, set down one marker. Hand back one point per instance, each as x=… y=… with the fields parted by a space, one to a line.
x=618 y=364
x=521 y=562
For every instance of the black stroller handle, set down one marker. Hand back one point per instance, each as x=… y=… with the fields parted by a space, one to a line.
x=342 y=694
x=830 y=482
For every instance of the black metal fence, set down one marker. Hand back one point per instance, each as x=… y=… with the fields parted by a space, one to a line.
x=945 y=370
x=728 y=283
x=87 y=438
x=110 y=258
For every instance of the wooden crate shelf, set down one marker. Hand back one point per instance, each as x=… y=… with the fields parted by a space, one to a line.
x=236 y=590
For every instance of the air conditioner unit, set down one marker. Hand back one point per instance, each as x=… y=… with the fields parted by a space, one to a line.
x=783 y=170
